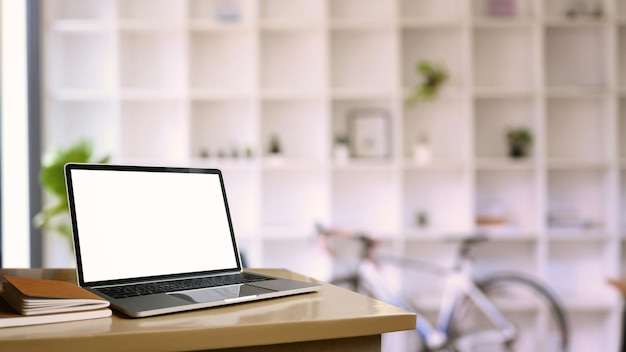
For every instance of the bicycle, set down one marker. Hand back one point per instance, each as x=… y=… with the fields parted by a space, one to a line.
x=471 y=313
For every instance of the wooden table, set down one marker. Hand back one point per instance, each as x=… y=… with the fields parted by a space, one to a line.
x=334 y=319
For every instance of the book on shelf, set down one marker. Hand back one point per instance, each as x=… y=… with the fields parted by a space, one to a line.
x=27 y=301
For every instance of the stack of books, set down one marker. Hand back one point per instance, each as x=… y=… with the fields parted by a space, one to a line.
x=26 y=301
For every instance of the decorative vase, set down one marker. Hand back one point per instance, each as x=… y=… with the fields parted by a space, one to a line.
x=341 y=153
x=422 y=153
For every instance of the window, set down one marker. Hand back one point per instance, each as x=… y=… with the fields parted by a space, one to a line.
x=15 y=232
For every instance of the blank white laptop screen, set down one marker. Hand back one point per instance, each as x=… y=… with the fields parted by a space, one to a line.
x=138 y=224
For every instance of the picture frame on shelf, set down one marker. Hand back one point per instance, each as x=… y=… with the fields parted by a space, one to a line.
x=370 y=132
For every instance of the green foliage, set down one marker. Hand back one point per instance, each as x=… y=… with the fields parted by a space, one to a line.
x=520 y=136
x=52 y=179
x=519 y=140
x=342 y=139
x=433 y=77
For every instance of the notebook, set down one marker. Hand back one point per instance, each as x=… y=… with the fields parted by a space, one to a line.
x=156 y=240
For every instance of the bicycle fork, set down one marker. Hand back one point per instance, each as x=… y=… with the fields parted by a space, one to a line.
x=437 y=338
x=505 y=332
x=460 y=286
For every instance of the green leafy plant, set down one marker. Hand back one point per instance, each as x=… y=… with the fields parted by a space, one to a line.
x=55 y=216
x=519 y=139
x=433 y=77
x=342 y=139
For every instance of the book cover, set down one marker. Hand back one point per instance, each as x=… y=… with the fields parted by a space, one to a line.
x=39 y=296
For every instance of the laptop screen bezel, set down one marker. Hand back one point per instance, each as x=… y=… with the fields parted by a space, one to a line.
x=69 y=167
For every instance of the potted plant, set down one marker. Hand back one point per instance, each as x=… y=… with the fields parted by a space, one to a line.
x=519 y=140
x=54 y=217
x=422 y=153
x=433 y=77
x=342 y=147
x=275 y=147
x=275 y=150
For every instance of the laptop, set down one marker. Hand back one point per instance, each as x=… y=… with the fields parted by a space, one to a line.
x=157 y=240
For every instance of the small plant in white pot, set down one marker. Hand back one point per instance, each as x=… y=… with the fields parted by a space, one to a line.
x=422 y=153
x=341 y=149
x=433 y=76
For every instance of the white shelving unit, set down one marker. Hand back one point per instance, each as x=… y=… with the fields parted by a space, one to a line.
x=210 y=82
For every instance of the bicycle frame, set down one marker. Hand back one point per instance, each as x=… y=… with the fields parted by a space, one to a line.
x=458 y=288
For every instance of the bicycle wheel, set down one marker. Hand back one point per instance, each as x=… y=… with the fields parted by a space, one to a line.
x=533 y=310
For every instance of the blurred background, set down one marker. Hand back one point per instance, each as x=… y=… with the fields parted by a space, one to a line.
x=412 y=120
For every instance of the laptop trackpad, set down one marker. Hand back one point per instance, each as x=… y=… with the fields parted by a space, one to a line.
x=220 y=293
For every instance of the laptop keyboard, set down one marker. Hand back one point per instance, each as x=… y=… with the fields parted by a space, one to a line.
x=151 y=288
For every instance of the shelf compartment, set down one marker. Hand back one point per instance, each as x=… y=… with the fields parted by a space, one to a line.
x=152 y=61
x=504 y=58
x=220 y=12
x=495 y=117
x=365 y=200
x=301 y=127
x=436 y=201
x=92 y=120
x=589 y=331
x=83 y=62
x=343 y=110
x=79 y=9
x=500 y=256
x=222 y=62
x=291 y=61
x=362 y=59
x=242 y=187
x=577 y=129
x=443 y=123
x=300 y=255
x=223 y=129
x=558 y=9
x=154 y=131
x=151 y=10
x=578 y=200
x=291 y=11
x=443 y=46
x=506 y=202
x=281 y=190
x=379 y=11
x=576 y=57
x=520 y=9
x=578 y=270
x=428 y=10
